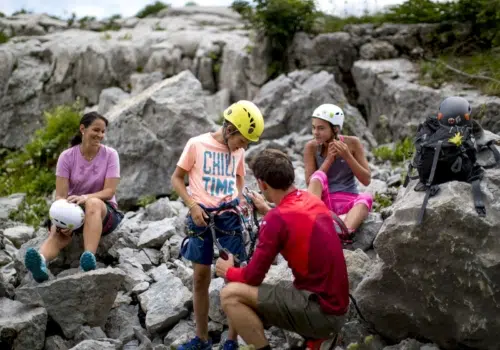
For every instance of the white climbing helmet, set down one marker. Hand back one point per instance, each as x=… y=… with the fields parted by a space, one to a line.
x=331 y=113
x=66 y=215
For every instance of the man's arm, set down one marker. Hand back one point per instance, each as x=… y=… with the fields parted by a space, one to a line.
x=272 y=237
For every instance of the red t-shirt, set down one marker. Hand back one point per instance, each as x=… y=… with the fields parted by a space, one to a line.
x=301 y=229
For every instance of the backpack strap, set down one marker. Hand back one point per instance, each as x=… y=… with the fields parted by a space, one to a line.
x=430 y=187
x=477 y=197
x=491 y=145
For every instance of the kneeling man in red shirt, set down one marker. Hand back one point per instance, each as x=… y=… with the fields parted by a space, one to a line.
x=300 y=228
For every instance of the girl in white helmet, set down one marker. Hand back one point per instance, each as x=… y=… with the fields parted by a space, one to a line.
x=332 y=161
x=87 y=175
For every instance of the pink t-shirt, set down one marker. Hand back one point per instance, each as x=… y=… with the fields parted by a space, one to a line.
x=212 y=169
x=88 y=177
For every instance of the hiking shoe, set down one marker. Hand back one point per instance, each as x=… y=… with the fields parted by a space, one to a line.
x=87 y=261
x=196 y=344
x=230 y=345
x=35 y=263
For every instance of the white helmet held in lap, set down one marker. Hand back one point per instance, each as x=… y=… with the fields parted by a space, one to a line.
x=331 y=113
x=66 y=215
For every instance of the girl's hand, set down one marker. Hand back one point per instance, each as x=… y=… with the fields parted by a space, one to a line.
x=64 y=231
x=332 y=152
x=77 y=199
x=340 y=148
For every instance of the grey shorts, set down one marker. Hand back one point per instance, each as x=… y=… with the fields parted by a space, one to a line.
x=284 y=306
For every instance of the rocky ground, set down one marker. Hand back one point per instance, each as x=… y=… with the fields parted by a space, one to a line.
x=162 y=80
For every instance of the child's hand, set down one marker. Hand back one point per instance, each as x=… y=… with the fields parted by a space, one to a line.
x=332 y=151
x=199 y=215
x=340 y=148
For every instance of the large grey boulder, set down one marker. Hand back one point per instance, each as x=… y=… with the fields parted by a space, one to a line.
x=165 y=302
x=150 y=130
x=75 y=300
x=22 y=327
x=440 y=280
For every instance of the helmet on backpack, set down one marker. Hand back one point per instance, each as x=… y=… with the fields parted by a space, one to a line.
x=454 y=111
x=247 y=118
x=66 y=215
x=331 y=113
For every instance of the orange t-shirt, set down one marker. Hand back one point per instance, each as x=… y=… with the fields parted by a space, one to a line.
x=212 y=169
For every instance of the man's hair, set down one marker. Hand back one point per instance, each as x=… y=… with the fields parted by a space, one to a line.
x=275 y=168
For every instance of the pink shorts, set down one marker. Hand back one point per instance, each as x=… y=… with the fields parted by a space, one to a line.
x=341 y=202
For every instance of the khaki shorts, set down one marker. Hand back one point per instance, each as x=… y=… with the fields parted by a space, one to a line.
x=286 y=307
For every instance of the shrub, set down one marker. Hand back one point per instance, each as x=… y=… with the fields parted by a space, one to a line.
x=242 y=7
x=3 y=37
x=151 y=9
x=31 y=169
x=481 y=15
x=381 y=201
x=279 y=20
x=402 y=151
x=419 y=11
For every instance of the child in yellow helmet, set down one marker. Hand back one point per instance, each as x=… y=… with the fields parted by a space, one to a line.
x=215 y=165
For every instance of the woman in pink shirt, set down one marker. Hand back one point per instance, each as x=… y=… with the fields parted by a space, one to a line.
x=87 y=174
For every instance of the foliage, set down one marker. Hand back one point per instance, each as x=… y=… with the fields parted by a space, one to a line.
x=279 y=21
x=242 y=7
x=31 y=169
x=21 y=12
x=111 y=23
x=144 y=201
x=419 y=11
x=328 y=23
x=482 y=15
x=84 y=21
x=3 y=37
x=190 y=3
x=483 y=63
x=402 y=151
x=174 y=196
x=152 y=9
x=381 y=201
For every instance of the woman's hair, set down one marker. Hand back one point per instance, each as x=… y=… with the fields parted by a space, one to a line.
x=86 y=121
x=335 y=131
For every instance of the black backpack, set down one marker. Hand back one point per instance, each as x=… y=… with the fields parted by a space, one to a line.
x=447 y=153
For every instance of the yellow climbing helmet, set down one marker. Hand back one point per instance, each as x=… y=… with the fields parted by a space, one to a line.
x=247 y=118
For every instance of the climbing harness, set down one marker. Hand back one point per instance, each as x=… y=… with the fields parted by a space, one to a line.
x=249 y=228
